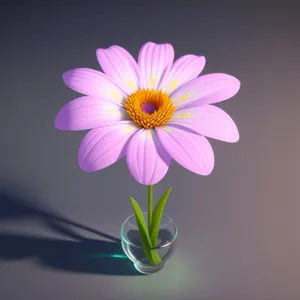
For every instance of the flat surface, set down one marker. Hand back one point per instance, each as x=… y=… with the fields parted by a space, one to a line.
x=239 y=227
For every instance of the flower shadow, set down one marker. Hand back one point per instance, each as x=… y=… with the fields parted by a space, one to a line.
x=74 y=254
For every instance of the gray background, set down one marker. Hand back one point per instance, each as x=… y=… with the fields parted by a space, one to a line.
x=239 y=227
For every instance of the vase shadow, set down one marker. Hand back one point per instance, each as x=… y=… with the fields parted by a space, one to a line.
x=74 y=254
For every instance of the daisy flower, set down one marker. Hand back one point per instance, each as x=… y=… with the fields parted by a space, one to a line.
x=151 y=110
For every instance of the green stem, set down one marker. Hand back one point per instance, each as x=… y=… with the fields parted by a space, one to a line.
x=151 y=254
x=150 y=202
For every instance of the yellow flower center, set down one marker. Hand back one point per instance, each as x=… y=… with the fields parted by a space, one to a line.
x=149 y=108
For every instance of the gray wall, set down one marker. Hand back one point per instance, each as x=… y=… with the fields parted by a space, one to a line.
x=239 y=227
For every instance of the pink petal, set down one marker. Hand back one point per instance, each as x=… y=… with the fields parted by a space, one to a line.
x=189 y=149
x=92 y=83
x=206 y=89
x=101 y=147
x=153 y=60
x=208 y=120
x=184 y=69
x=118 y=63
x=88 y=112
x=147 y=160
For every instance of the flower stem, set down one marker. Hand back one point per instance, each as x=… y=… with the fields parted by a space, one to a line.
x=152 y=255
x=150 y=201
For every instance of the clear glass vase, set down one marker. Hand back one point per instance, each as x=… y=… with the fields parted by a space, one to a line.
x=133 y=248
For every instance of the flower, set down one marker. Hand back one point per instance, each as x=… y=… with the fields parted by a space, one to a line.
x=151 y=111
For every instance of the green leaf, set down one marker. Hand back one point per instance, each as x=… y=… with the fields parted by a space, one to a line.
x=156 y=217
x=152 y=255
x=141 y=223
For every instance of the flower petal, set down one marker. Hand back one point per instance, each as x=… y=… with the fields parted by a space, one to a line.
x=118 y=63
x=206 y=89
x=92 y=83
x=184 y=69
x=88 y=112
x=153 y=60
x=208 y=120
x=189 y=149
x=101 y=147
x=147 y=160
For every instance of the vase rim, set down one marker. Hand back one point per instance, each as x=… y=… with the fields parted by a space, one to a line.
x=174 y=237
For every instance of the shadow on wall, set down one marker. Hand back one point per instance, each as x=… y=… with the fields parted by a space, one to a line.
x=80 y=254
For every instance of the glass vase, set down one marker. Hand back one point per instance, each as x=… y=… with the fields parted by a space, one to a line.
x=139 y=255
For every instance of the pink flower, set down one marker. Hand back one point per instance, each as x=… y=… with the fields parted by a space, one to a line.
x=150 y=111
